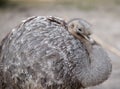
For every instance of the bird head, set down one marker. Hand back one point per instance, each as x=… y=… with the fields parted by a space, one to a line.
x=80 y=27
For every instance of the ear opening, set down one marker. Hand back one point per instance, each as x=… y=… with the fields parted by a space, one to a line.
x=72 y=26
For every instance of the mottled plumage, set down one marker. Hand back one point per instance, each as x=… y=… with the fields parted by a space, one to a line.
x=42 y=54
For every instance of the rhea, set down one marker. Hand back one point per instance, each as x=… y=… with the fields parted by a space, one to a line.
x=49 y=53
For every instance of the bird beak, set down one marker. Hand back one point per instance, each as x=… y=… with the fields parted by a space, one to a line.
x=88 y=38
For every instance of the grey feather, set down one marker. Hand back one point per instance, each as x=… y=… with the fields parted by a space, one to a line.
x=42 y=54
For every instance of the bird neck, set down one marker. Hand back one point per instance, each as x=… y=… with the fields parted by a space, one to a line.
x=87 y=44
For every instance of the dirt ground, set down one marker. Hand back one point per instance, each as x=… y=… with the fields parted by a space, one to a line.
x=106 y=26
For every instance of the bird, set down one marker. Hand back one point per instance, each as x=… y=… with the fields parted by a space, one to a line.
x=46 y=52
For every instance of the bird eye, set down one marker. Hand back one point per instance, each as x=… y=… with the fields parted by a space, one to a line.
x=80 y=30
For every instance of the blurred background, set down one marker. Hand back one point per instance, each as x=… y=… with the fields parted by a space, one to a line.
x=104 y=15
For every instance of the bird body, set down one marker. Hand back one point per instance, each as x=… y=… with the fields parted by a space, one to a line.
x=41 y=54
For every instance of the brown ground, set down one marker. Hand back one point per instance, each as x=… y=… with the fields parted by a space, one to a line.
x=106 y=25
